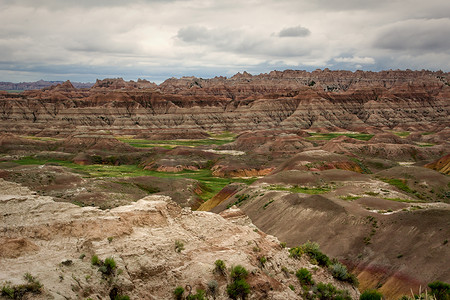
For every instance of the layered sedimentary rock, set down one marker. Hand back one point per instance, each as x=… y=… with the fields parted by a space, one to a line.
x=283 y=100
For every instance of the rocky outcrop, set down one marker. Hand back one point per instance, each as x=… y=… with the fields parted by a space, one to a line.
x=156 y=246
x=286 y=100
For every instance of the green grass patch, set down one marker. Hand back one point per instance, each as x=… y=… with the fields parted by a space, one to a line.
x=329 y=136
x=425 y=144
x=401 y=133
x=398 y=183
x=297 y=189
x=216 y=139
x=211 y=185
x=13 y=91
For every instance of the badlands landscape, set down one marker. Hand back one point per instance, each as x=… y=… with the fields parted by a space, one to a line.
x=285 y=185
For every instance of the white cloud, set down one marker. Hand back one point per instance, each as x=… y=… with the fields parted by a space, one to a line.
x=356 y=60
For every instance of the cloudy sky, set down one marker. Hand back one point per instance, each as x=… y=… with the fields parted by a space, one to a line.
x=82 y=40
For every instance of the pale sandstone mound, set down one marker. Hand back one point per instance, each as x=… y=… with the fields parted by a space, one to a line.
x=82 y=142
x=319 y=160
x=55 y=241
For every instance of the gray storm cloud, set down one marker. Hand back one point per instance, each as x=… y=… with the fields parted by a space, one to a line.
x=84 y=40
x=297 y=31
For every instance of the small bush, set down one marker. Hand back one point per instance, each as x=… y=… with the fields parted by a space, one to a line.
x=122 y=297
x=179 y=246
x=95 y=261
x=238 y=272
x=19 y=291
x=313 y=250
x=220 y=267
x=238 y=289
x=262 y=260
x=339 y=271
x=109 y=266
x=330 y=292
x=200 y=295
x=213 y=287
x=440 y=290
x=304 y=276
x=283 y=244
x=178 y=292
x=296 y=252
x=371 y=295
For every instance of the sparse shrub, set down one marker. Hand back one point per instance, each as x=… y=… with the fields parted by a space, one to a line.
x=200 y=295
x=285 y=271
x=238 y=289
x=283 y=244
x=440 y=290
x=292 y=287
x=262 y=260
x=330 y=292
x=110 y=239
x=122 y=297
x=313 y=250
x=82 y=256
x=95 y=261
x=178 y=292
x=179 y=246
x=18 y=291
x=220 y=267
x=339 y=271
x=238 y=272
x=213 y=287
x=304 y=276
x=371 y=295
x=296 y=252
x=108 y=266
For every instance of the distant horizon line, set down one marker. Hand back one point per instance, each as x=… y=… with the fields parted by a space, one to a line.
x=240 y=72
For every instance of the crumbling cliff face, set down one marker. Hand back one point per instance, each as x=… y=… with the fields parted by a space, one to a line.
x=156 y=247
x=283 y=100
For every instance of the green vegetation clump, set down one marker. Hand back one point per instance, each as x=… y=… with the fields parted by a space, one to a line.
x=440 y=290
x=220 y=267
x=238 y=288
x=178 y=292
x=212 y=185
x=268 y=203
x=19 y=291
x=95 y=261
x=296 y=252
x=200 y=295
x=313 y=250
x=240 y=198
x=108 y=267
x=304 y=276
x=122 y=297
x=340 y=272
x=371 y=295
x=297 y=189
x=398 y=183
x=329 y=136
x=262 y=260
x=179 y=246
x=213 y=287
x=330 y=292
